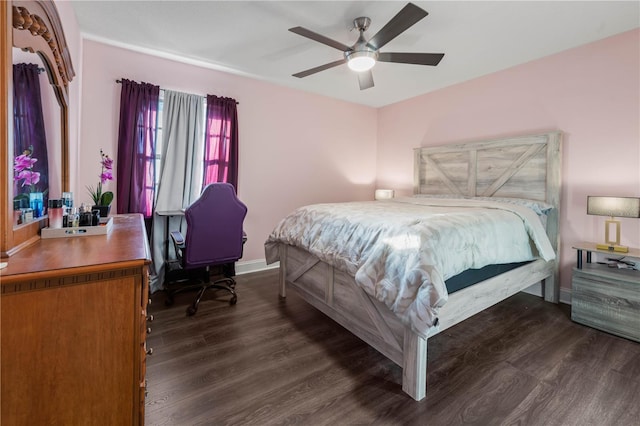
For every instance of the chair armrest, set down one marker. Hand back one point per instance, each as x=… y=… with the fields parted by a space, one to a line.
x=178 y=243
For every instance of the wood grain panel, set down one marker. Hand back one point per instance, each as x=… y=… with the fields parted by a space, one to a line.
x=55 y=257
x=50 y=348
x=513 y=167
x=509 y=171
x=451 y=169
x=313 y=278
x=414 y=365
x=345 y=300
x=471 y=300
x=607 y=301
x=6 y=131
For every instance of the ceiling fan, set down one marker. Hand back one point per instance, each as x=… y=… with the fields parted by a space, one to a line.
x=362 y=56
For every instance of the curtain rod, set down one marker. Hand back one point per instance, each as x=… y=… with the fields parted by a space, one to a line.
x=120 y=81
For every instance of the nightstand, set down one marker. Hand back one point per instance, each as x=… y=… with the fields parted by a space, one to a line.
x=606 y=298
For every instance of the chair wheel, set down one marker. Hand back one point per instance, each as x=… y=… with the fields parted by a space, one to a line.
x=233 y=300
x=191 y=310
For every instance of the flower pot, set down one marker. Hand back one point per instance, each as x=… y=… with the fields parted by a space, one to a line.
x=104 y=210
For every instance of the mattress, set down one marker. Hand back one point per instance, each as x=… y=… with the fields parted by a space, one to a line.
x=473 y=276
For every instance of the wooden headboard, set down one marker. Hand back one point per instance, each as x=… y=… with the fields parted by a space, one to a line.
x=519 y=167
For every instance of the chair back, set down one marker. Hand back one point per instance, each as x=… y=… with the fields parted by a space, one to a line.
x=214 y=227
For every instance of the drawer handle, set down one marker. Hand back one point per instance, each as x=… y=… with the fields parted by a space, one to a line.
x=148 y=330
x=150 y=351
x=150 y=318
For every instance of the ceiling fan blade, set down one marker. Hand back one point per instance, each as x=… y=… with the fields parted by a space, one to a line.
x=411 y=58
x=409 y=15
x=365 y=80
x=319 y=68
x=319 y=38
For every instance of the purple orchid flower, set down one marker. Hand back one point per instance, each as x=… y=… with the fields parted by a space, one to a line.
x=105 y=176
x=107 y=162
x=23 y=162
x=30 y=177
x=99 y=197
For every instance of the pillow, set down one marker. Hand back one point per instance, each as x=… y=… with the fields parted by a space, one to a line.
x=540 y=207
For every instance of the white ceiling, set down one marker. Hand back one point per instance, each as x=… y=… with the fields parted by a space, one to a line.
x=250 y=37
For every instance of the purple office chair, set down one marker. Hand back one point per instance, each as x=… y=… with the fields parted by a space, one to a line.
x=214 y=240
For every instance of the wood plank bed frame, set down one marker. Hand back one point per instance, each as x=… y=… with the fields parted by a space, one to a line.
x=520 y=167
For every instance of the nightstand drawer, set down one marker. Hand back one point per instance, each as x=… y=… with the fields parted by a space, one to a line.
x=608 y=300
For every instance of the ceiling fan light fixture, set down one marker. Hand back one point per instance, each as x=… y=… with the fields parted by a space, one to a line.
x=361 y=61
x=364 y=53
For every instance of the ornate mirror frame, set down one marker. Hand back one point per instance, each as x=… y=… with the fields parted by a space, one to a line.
x=34 y=26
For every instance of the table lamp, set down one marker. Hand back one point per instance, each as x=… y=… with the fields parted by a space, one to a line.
x=384 y=194
x=613 y=207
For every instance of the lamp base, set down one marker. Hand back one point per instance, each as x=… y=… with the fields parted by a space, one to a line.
x=614 y=247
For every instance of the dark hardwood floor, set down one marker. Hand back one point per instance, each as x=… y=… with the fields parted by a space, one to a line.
x=267 y=361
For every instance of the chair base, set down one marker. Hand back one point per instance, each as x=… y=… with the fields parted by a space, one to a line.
x=193 y=308
x=202 y=275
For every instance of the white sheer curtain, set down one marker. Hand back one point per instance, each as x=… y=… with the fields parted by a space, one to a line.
x=180 y=170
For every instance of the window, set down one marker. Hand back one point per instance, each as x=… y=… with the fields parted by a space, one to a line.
x=140 y=145
x=221 y=144
x=216 y=161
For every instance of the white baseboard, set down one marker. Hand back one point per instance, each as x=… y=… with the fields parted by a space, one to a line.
x=536 y=290
x=254 y=266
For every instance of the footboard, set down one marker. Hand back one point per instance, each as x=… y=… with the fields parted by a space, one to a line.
x=336 y=294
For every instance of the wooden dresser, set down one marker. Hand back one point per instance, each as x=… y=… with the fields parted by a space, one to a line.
x=73 y=314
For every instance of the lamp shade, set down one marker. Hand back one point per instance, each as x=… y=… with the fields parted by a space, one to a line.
x=614 y=206
x=384 y=194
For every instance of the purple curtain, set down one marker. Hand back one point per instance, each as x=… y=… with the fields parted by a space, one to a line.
x=28 y=123
x=136 y=147
x=221 y=142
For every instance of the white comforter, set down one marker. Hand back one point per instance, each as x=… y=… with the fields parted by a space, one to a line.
x=402 y=251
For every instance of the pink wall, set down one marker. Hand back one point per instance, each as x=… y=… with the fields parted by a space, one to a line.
x=295 y=148
x=591 y=93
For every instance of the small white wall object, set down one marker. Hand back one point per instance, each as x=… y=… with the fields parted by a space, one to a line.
x=384 y=194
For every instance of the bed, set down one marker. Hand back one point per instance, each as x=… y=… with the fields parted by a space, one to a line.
x=526 y=167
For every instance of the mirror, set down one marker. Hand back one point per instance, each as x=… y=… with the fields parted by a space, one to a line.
x=39 y=117
x=32 y=26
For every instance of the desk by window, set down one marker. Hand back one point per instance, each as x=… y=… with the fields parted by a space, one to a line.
x=168 y=214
